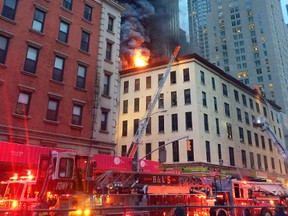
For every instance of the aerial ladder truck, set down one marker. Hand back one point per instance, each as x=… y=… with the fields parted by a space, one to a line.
x=260 y=122
x=144 y=122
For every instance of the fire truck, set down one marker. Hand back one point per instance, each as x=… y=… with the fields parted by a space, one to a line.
x=76 y=184
x=17 y=194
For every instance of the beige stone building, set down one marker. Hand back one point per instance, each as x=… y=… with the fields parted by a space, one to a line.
x=205 y=104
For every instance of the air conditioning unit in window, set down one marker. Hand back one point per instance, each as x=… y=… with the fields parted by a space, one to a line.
x=241 y=140
x=221 y=161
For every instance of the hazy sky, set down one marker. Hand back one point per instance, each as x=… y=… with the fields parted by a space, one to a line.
x=184 y=15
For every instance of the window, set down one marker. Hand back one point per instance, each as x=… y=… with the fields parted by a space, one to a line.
x=125 y=106
x=244 y=100
x=174 y=122
x=206 y=122
x=187 y=96
x=251 y=104
x=160 y=76
x=190 y=154
x=148 y=101
x=231 y=156
x=224 y=88
x=257 y=107
x=259 y=162
x=265 y=112
x=270 y=145
x=204 y=99
x=186 y=75
x=77 y=114
x=81 y=77
x=229 y=131
x=31 y=60
x=219 y=152
x=137 y=85
x=217 y=126
x=241 y=134
x=88 y=12
x=58 y=69
x=148 y=128
x=148 y=82
x=243 y=157
x=106 y=84
x=161 y=151
x=126 y=87
x=202 y=75
x=104 y=119
x=136 y=104
x=38 y=20
x=63 y=31
x=256 y=139
x=52 y=111
x=213 y=84
x=123 y=150
x=108 y=55
x=173 y=77
x=227 y=109
x=265 y=163
x=239 y=116
x=3 y=49
x=249 y=137
x=85 y=39
x=161 y=101
x=247 y=118
x=124 y=128
x=272 y=163
x=208 y=152
x=236 y=95
x=148 y=150
x=161 y=124
x=263 y=142
x=174 y=98
x=215 y=104
x=110 y=23
x=9 y=9
x=188 y=120
x=136 y=125
x=23 y=103
x=67 y=4
x=252 y=163
x=175 y=148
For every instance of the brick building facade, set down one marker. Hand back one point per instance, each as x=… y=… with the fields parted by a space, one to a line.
x=49 y=51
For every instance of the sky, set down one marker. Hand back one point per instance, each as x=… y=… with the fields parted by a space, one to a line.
x=184 y=15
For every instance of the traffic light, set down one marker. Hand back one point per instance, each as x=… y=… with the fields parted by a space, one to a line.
x=188 y=145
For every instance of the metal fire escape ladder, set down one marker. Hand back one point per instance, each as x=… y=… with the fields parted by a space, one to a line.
x=144 y=122
x=264 y=126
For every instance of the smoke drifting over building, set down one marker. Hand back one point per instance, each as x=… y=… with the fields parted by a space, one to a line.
x=152 y=26
x=134 y=29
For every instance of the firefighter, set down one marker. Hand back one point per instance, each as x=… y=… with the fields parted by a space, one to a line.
x=279 y=211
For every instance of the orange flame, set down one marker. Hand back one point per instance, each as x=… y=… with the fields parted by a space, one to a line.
x=139 y=59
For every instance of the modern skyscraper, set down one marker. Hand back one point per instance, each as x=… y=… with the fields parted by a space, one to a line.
x=247 y=39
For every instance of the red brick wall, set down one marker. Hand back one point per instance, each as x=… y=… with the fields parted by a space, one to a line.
x=11 y=74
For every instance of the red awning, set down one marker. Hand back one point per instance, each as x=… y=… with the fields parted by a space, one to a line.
x=149 y=166
x=21 y=153
x=109 y=162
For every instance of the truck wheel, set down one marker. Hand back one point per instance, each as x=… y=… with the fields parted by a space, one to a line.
x=213 y=212
x=266 y=212
x=246 y=212
x=221 y=213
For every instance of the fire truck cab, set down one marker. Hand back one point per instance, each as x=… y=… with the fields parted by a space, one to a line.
x=18 y=193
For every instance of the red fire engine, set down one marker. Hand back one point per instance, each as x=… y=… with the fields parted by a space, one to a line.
x=76 y=183
x=18 y=193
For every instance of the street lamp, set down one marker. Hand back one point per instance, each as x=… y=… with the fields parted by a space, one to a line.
x=142 y=121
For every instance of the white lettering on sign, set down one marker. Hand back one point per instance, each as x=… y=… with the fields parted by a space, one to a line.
x=62 y=185
x=17 y=153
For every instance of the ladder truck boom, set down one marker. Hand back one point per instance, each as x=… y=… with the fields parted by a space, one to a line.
x=144 y=122
x=260 y=122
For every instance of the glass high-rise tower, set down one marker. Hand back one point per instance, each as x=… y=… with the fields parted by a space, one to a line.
x=247 y=39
